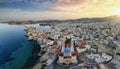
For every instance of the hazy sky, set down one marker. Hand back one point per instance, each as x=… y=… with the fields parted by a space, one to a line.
x=57 y=9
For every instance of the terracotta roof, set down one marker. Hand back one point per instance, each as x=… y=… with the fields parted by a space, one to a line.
x=61 y=54
x=74 y=53
x=66 y=57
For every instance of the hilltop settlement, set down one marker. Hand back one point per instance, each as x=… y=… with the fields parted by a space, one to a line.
x=78 y=45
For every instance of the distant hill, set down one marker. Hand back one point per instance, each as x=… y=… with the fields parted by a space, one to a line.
x=86 y=20
x=103 y=19
x=82 y=20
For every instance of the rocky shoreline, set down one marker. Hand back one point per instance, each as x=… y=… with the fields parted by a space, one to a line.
x=34 y=58
x=42 y=50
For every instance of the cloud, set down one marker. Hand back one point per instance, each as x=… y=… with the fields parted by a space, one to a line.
x=18 y=14
x=74 y=5
x=56 y=9
x=1 y=1
x=58 y=5
x=70 y=2
x=85 y=5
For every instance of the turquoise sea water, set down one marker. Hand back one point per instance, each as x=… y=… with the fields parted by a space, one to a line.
x=15 y=49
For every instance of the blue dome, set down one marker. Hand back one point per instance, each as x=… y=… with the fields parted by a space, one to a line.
x=66 y=50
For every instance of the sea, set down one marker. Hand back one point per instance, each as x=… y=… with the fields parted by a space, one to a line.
x=15 y=49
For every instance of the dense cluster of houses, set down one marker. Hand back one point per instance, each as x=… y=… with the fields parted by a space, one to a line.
x=79 y=46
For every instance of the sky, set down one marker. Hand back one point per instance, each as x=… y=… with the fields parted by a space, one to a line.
x=57 y=9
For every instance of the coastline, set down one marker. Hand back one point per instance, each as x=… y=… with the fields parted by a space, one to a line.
x=28 y=57
x=32 y=61
x=15 y=49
